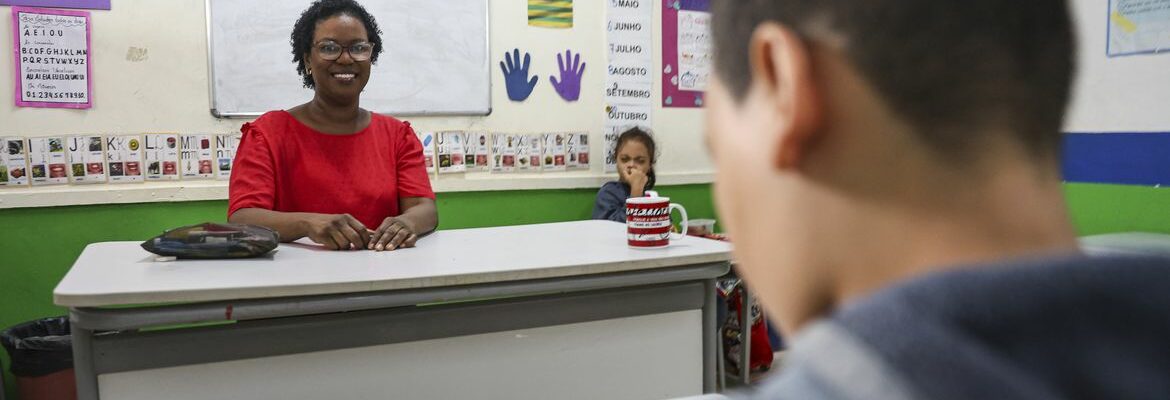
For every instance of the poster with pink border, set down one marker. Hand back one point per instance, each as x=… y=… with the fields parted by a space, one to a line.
x=51 y=50
x=90 y=4
x=686 y=52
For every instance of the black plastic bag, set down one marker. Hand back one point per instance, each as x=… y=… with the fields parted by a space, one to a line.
x=212 y=241
x=39 y=347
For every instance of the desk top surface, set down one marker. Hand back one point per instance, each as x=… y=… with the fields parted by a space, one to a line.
x=122 y=273
x=1127 y=243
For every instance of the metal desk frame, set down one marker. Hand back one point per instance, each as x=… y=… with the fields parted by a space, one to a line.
x=110 y=340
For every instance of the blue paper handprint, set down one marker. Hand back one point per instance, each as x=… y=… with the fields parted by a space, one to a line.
x=516 y=76
x=569 y=87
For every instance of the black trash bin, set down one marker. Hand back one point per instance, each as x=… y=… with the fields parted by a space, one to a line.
x=42 y=359
x=3 y=394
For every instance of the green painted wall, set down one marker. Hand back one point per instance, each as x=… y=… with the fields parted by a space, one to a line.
x=1100 y=209
x=45 y=241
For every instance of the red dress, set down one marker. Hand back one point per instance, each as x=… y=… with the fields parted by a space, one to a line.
x=283 y=165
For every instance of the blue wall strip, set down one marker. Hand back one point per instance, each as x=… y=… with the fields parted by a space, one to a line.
x=1118 y=158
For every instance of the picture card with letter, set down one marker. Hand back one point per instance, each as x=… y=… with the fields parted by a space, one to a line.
x=554 y=151
x=195 y=157
x=477 y=151
x=528 y=153
x=47 y=161
x=225 y=154
x=577 y=151
x=427 y=140
x=161 y=154
x=124 y=159
x=87 y=159
x=504 y=152
x=14 y=168
x=450 y=149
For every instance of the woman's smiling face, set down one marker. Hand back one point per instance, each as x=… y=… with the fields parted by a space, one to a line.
x=344 y=78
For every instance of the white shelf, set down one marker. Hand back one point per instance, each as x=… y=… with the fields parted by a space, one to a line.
x=178 y=191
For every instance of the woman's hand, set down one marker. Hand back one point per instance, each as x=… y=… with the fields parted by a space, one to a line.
x=336 y=231
x=637 y=180
x=394 y=233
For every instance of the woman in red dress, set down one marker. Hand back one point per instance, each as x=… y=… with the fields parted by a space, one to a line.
x=329 y=170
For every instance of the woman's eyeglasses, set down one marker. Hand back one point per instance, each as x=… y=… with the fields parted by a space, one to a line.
x=331 y=51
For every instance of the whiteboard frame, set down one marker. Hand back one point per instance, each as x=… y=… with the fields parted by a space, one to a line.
x=487 y=68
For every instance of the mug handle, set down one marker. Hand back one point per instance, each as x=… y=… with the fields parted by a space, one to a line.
x=683 y=211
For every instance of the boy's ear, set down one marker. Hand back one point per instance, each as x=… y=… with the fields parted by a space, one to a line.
x=782 y=64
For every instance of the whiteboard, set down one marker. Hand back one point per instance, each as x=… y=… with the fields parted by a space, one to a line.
x=434 y=59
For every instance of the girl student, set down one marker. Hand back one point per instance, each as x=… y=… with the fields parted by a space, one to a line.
x=636 y=154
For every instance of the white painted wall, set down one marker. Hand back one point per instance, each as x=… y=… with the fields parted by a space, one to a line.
x=169 y=92
x=1122 y=94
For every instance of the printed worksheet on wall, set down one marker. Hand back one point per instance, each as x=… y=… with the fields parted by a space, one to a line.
x=577 y=151
x=475 y=151
x=482 y=150
x=161 y=154
x=14 y=169
x=629 y=81
x=554 y=151
x=528 y=152
x=47 y=160
x=1138 y=27
x=225 y=154
x=450 y=149
x=427 y=140
x=504 y=153
x=87 y=160
x=124 y=155
x=195 y=158
x=468 y=151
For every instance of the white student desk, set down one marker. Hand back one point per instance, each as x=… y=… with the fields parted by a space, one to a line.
x=561 y=310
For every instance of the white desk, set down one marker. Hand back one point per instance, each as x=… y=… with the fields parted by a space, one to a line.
x=1127 y=243
x=598 y=319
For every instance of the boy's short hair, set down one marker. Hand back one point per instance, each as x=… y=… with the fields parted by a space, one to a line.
x=949 y=68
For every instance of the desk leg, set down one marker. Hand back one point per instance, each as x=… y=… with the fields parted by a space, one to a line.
x=83 y=365
x=710 y=336
x=720 y=368
x=745 y=329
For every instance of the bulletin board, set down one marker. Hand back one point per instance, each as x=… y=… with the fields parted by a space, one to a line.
x=686 y=52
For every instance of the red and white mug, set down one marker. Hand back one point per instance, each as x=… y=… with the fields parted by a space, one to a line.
x=648 y=221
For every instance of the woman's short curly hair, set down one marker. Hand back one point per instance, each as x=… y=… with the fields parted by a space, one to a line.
x=320 y=10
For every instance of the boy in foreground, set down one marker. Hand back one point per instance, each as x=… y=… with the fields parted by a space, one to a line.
x=890 y=173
